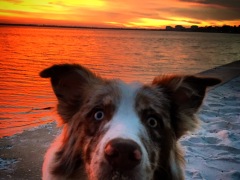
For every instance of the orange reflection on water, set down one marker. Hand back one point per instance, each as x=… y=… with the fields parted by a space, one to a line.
x=25 y=52
x=124 y=54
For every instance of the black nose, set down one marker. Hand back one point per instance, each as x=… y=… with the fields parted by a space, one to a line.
x=123 y=154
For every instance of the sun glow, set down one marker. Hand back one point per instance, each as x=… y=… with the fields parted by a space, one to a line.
x=136 y=14
x=147 y=22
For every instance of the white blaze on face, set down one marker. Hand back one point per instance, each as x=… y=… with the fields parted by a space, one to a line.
x=126 y=123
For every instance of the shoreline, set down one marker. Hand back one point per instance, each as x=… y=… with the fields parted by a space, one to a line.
x=21 y=155
x=178 y=28
x=225 y=72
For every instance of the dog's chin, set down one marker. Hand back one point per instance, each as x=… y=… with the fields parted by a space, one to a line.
x=118 y=175
x=108 y=173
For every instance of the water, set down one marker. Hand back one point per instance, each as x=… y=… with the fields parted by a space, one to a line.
x=126 y=54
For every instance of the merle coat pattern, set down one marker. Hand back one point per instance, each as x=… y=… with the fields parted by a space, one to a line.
x=119 y=131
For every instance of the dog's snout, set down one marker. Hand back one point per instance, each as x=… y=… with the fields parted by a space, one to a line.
x=123 y=154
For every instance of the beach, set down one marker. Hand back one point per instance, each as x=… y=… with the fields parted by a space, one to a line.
x=212 y=152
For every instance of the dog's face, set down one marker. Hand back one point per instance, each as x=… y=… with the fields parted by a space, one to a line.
x=122 y=131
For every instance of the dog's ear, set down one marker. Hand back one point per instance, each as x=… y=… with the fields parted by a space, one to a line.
x=68 y=82
x=186 y=94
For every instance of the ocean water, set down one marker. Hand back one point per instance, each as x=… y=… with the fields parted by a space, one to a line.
x=26 y=100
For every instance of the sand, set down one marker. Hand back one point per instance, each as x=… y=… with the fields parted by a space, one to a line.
x=212 y=152
x=21 y=155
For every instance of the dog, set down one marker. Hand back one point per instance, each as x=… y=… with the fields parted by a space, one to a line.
x=114 y=130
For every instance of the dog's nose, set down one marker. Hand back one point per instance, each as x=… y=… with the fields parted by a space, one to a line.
x=123 y=154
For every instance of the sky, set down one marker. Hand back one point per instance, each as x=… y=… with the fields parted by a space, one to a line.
x=121 y=13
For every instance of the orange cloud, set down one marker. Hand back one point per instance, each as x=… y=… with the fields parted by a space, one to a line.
x=121 y=13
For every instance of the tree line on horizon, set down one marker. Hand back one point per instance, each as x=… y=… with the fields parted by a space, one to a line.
x=193 y=28
x=214 y=29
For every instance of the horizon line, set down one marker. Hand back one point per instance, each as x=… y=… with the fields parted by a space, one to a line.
x=116 y=28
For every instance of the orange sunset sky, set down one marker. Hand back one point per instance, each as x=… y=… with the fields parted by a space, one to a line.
x=121 y=13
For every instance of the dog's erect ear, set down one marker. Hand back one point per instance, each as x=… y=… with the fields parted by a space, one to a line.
x=68 y=82
x=186 y=94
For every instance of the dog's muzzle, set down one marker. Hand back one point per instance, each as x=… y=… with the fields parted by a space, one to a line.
x=123 y=154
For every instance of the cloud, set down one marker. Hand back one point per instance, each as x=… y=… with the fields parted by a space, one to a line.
x=187 y=21
x=37 y=15
x=191 y=11
x=13 y=1
x=233 y=4
x=207 y=13
x=128 y=12
x=205 y=10
x=58 y=3
x=160 y=12
x=15 y=12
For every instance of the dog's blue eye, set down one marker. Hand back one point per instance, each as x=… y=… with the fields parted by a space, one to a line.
x=152 y=122
x=99 y=115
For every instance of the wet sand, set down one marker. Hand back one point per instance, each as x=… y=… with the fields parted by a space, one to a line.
x=22 y=154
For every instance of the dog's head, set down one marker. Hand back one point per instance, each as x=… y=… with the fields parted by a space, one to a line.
x=121 y=131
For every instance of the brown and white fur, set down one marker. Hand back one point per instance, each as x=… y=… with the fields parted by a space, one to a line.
x=118 y=131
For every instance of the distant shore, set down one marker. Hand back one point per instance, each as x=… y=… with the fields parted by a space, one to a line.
x=178 y=28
